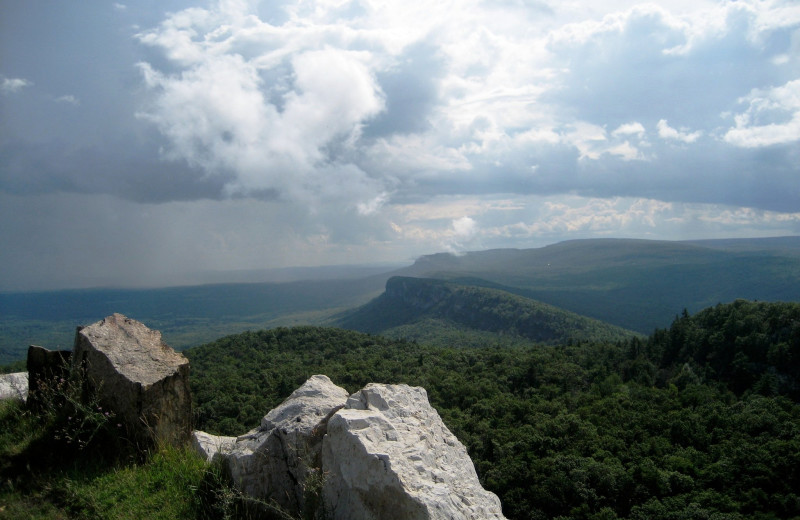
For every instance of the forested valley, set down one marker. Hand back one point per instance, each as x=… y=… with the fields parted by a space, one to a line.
x=556 y=367
x=698 y=420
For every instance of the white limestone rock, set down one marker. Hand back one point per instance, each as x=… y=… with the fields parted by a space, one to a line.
x=388 y=454
x=272 y=461
x=14 y=386
x=207 y=445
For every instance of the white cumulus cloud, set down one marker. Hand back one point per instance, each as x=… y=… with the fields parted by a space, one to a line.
x=290 y=140
x=667 y=132
x=634 y=128
x=13 y=85
x=772 y=117
x=464 y=228
x=69 y=99
x=462 y=236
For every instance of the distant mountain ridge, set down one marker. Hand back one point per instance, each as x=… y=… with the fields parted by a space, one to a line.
x=576 y=255
x=419 y=308
x=635 y=284
x=784 y=245
x=639 y=285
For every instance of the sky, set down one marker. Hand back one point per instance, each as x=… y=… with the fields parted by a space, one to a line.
x=146 y=140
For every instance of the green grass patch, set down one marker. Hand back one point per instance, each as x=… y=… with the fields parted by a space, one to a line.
x=165 y=486
x=41 y=477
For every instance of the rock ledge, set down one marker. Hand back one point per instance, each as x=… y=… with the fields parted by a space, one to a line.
x=384 y=453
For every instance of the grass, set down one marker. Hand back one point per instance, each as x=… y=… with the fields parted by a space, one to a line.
x=164 y=486
x=42 y=477
x=63 y=456
x=35 y=482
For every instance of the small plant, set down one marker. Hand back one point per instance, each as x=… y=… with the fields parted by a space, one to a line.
x=313 y=507
x=71 y=414
x=218 y=499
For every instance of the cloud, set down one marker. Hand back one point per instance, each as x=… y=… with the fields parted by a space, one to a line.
x=667 y=132
x=541 y=221
x=633 y=128
x=462 y=236
x=290 y=135
x=626 y=151
x=371 y=207
x=69 y=99
x=41 y=168
x=533 y=221
x=391 y=129
x=635 y=64
x=772 y=117
x=408 y=102
x=464 y=228
x=13 y=85
x=409 y=86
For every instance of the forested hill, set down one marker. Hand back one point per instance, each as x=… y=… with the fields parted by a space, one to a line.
x=636 y=430
x=431 y=311
x=635 y=284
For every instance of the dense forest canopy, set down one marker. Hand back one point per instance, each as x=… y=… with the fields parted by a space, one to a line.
x=426 y=309
x=701 y=420
x=746 y=345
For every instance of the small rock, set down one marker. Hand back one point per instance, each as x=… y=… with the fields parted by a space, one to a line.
x=14 y=386
x=208 y=446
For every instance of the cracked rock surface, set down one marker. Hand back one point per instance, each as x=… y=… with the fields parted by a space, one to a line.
x=388 y=454
x=139 y=377
x=384 y=453
x=271 y=462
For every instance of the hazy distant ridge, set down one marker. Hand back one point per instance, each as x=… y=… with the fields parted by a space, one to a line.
x=635 y=284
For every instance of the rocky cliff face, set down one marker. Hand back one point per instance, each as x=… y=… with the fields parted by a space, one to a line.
x=408 y=301
x=382 y=452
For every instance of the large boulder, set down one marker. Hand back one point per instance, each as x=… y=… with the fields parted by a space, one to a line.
x=14 y=386
x=388 y=454
x=137 y=376
x=381 y=453
x=272 y=462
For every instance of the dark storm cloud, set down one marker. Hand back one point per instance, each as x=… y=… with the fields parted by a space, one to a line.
x=75 y=129
x=34 y=168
